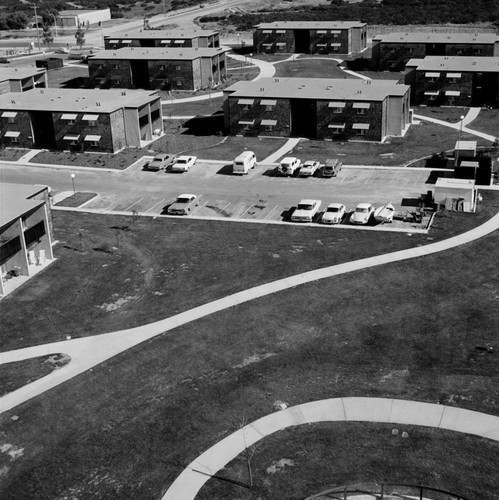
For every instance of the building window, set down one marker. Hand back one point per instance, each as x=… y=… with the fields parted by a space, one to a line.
x=335 y=35
x=477 y=52
x=432 y=97
x=178 y=67
x=115 y=66
x=100 y=66
x=269 y=128
x=337 y=110
x=162 y=67
x=14 y=139
x=179 y=83
x=361 y=111
x=92 y=123
x=393 y=49
x=11 y=119
x=360 y=131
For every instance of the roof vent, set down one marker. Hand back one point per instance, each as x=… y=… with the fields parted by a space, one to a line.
x=12 y=102
x=123 y=93
x=276 y=80
x=114 y=53
x=97 y=103
x=262 y=89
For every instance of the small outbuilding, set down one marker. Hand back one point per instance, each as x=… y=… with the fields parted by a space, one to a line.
x=84 y=18
x=459 y=195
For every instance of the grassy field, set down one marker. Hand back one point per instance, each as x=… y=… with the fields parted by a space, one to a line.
x=311 y=67
x=420 y=141
x=487 y=121
x=192 y=108
x=446 y=114
x=12 y=154
x=309 y=459
x=128 y=427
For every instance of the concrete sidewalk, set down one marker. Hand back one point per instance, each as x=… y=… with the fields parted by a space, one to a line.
x=88 y=352
x=390 y=411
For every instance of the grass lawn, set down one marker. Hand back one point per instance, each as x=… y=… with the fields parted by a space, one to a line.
x=127 y=428
x=233 y=146
x=420 y=141
x=446 y=114
x=192 y=108
x=76 y=199
x=309 y=459
x=383 y=75
x=16 y=375
x=311 y=67
x=12 y=154
x=487 y=121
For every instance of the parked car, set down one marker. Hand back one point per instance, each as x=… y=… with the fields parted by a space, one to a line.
x=331 y=168
x=306 y=211
x=288 y=165
x=183 y=163
x=184 y=204
x=334 y=213
x=244 y=162
x=309 y=168
x=384 y=214
x=62 y=50
x=161 y=162
x=363 y=214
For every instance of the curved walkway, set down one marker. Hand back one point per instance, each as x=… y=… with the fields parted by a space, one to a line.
x=380 y=410
x=88 y=352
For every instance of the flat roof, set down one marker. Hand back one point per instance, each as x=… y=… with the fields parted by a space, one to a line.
x=76 y=100
x=14 y=201
x=319 y=88
x=19 y=73
x=471 y=38
x=158 y=53
x=456 y=63
x=455 y=183
x=75 y=12
x=161 y=34
x=311 y=25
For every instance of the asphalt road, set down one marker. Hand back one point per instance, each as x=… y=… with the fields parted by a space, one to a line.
x=259 y=195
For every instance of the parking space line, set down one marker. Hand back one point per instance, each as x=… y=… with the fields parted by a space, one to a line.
x=268 y=215
x=222 y=209
x=135 y=203
x=115 y=202
x=247 y=210
x=369 y=177
x=154 y=206
x=199 y=207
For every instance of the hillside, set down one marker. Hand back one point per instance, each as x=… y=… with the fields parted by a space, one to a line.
x=375 y=12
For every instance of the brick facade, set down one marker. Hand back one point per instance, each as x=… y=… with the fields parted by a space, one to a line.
x=163 y=39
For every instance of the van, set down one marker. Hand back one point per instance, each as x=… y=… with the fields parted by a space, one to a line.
x=331 y=168
x=244 y=162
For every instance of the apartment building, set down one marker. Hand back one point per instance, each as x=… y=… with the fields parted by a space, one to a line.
x=310 y=37
x=454 y=81
x=318 y=108
x=79 y=119
x=180 y=38
x=25 y=231
x=156 y=68
x=22 y=79
x=392 y=52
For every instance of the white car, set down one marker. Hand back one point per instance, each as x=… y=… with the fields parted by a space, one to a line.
x=363 y=214
x=288 y=165
x=184 y=204
x=334 y=213
x=306 y=211
x=183 y=163
x=309 y=168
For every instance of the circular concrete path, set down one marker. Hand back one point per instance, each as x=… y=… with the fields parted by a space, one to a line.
x=380 y=410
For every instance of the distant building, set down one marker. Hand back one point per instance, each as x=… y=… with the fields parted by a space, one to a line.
x=180 y=38
x=318 y=108
x=22 y=79
x=393 y=51
x=79 y=119
x=80 y=17
x=25 y=231
x=155 y=68
x=454 y=81
x=310 y=37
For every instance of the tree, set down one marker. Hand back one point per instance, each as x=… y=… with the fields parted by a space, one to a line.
x=80 y=37
x=47 y=36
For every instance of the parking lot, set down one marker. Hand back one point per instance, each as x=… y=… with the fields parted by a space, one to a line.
x=262 y=194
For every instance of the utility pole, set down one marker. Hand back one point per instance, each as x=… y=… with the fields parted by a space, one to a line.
x=55 y=26
x=37 y=32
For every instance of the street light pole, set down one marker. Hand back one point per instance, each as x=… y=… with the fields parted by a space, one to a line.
x=73 y=180
x=37 y=32
x=456 y=160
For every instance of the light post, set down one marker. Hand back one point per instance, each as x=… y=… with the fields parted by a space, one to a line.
x=456 y=160
x=55 y=25
x=73 y=181
x=37 y=32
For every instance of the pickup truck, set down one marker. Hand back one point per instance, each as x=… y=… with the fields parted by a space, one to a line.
x=331 y=168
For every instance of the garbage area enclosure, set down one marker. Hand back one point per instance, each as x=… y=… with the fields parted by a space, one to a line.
x=456 y=194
